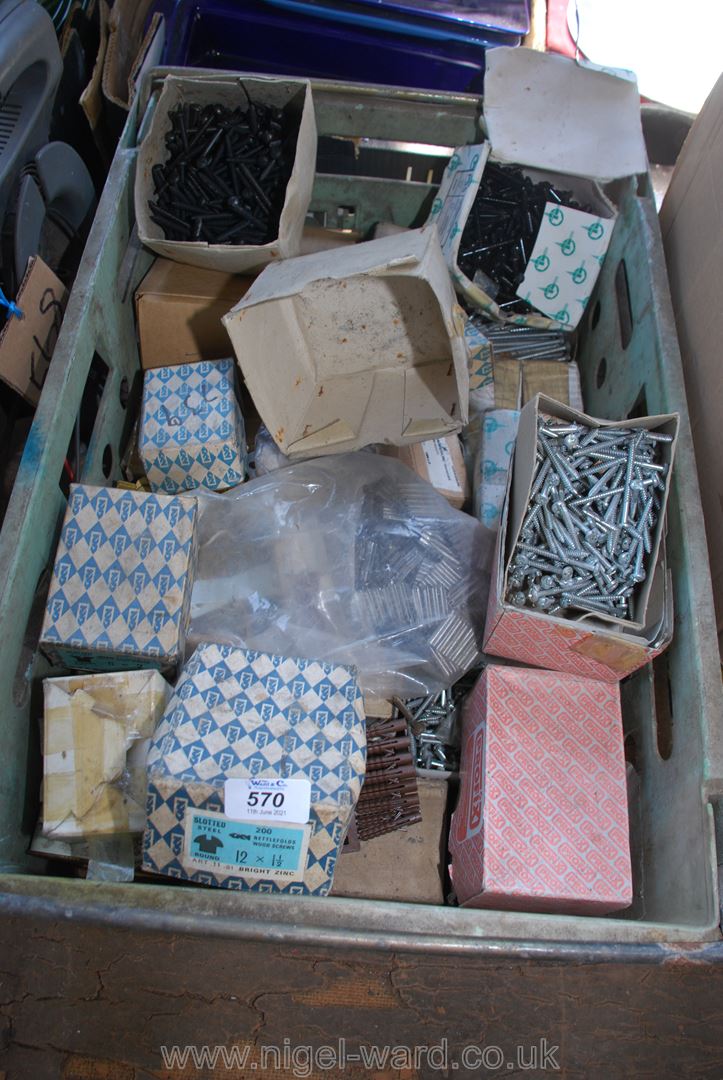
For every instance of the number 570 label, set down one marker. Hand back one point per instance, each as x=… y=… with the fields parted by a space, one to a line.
x=279 y=799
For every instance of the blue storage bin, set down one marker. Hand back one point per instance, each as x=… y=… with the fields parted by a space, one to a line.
x=365 y=43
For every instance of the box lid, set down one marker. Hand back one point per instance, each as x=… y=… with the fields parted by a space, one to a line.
x=554 y=113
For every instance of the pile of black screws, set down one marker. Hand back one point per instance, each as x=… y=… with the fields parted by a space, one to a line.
x=225 y=178
x=501 y=231
x=595 y=501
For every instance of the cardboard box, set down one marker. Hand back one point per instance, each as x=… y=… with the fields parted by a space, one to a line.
x=548 y=134
x=179 y=311
x=192 y=431
x=96 y=732
x=501 y=383
x=440 y=463
x=542 y=823
x=230 y=90
x=406 y=865
x=499 y=432
x=120 y=594
x=360 y=345
x=235 y=715
x=691 y=220
x=596 y=646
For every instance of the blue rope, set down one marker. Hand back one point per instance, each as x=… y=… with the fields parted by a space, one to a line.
x=12 y=307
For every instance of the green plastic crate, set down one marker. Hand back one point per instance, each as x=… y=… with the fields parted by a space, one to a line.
x=672 y=710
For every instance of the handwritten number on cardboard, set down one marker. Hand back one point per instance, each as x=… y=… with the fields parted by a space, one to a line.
x=42 y=352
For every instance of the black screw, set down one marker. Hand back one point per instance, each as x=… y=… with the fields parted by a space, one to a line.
x=226 y=173
x=502 y=227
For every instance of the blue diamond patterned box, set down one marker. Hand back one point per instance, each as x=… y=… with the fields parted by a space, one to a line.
x=120 y=595
x=192 y=431
x=254 y=772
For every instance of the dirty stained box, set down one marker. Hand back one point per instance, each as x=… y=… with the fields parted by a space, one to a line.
x=96 y=732
x=294 y=97
x=361 y=345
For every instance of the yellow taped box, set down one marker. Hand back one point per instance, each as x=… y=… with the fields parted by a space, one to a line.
x=96 y=732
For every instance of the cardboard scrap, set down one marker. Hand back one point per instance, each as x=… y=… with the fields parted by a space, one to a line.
x=27 y=344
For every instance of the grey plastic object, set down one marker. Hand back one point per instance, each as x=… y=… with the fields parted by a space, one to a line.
x=30 y=70
x=64 y=184
x=27 y=223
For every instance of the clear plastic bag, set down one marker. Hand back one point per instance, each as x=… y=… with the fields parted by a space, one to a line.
x=267 y=456
x=351 y=559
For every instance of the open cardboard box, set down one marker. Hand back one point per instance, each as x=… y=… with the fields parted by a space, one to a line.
x=599 y=646
x=578 y=128
x=354 y=346
x=292 y=95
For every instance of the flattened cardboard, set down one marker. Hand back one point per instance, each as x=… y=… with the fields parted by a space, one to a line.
x=27 y=344
x=229 y=90
x=179 y=310
x=91 y=100
x=542 y=822
x=126 y=44
x=691 y=221
x=360 y=345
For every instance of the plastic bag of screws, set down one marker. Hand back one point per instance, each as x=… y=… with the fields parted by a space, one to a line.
x=589 y=536
x=226 y=170
x=352 y=557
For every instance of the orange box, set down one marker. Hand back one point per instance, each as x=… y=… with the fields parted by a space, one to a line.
x=542 y=821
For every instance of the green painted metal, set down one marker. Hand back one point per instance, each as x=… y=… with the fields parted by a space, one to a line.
x=673 y=837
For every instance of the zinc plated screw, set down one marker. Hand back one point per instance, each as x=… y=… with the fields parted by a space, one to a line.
x=596 y=501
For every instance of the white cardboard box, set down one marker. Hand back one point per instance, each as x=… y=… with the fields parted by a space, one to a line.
x=229 y=90
x=354 y=346
x=549 y=132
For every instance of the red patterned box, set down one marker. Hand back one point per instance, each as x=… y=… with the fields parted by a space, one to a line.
x=599 y=648
x=542 y=820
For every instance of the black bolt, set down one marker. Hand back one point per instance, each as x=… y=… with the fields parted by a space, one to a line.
x=225 y=175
